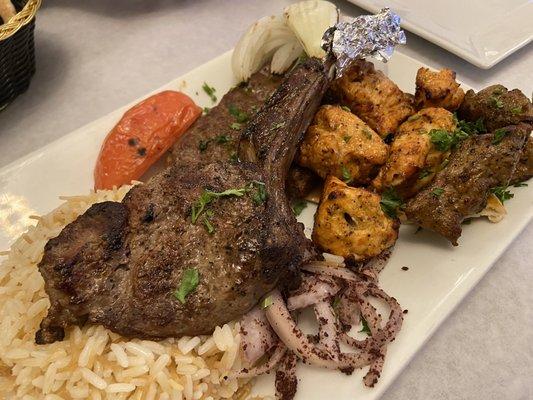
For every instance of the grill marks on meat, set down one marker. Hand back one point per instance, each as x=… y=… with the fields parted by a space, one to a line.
x=119 y=264
x=474 y=168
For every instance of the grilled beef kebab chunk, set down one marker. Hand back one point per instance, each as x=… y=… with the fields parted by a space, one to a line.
x=497 y=107
x=120 y=264
x=480 y=163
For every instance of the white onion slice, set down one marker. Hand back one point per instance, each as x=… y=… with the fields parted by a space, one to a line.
x=309 y=20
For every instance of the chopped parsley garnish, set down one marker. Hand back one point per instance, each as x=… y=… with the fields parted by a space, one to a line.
x=208 y=225
x=424 y=173
x=208 y=197
x=502 y=193
x=520 y=184
x=346 y=138
x=516 y=110
x=365 y=328
x=444 y=140
x=467 y=221
x=235 y=126
x=267 y=302
x=367 y=133
x=437 y=192
x=210 y=91
x=390 y=202
x=414 y=117
x=261 y=195
x=188 y=284
x=499 y=134
x=221 y=139
x=336 y=303
x=206 y=110
x=346 y=108
x=202 y=145
x=346 y=176
x=234 y=156
x=496 y=102
x=298 y=206
x=471 y=128
x=278 y=125
x=240 y=116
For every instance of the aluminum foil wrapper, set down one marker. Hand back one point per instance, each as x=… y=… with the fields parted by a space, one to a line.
x=363 y=36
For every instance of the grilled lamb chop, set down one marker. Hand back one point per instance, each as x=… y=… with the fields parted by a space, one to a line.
x=480 y=163
x=120 y=264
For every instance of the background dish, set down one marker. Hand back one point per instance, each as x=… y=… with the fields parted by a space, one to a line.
x=482 y=32
x=437 y=280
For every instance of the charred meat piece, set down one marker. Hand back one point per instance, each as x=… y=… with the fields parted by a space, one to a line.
x=496 y=107
x=351 y=223
x=480 y=163
x=340 y=144
x=438 y=89
x=132 y=266
x=373 y=97
x=300 y=182
x=524 y=169
x=414 y=155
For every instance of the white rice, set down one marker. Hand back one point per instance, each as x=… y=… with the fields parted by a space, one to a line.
x=93 y=362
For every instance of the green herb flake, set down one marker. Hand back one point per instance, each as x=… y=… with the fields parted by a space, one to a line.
x=188 y=284
x=445 y=140
x=239 y=115
x=235 y=126
x=502 y=193
x=206 y=110
x=346 y=176
x=346 y=109
x=202 y=145
x=336 y=303
x=414 y=117
x=390 y=202
x=346 y=138
x=209 y=226
x=209 y=196
x=472 y=128
x=234 y=157
x=210 y=91
x=516 y=110
x=368 y=133
x=520 y=184
x=365 y=329
x=424 y=173
x=499 y=134
x=221 y=139
x=467 y=221
x=267 y=302
x=260 y=195
x=298 y=206
x=496 y=102
x=437 y=192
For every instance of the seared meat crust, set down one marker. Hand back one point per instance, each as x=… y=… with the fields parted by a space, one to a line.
x=338 y=143
x=524 y=169
x=373 y=97
x=119 y=264
x=462 y=187
x=497 y=107
x=438 y=89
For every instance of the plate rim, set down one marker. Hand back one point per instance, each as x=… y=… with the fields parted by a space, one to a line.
x=419 y=30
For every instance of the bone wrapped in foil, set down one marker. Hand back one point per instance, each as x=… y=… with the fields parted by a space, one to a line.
x=363 y=36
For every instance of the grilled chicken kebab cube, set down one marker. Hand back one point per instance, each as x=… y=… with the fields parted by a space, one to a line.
x=417 y=152
x=438 y=89
x=373 y=97
x=338 y=143
x=350 y=223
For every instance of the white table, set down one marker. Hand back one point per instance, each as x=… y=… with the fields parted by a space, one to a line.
x=94 y=56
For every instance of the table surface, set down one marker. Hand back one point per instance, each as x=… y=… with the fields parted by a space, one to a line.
x=95 y=56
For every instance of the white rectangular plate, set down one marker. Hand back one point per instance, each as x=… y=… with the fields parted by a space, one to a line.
x=480 y=31
x=439 y=275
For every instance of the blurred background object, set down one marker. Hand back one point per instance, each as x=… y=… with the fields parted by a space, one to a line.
x=17 y=54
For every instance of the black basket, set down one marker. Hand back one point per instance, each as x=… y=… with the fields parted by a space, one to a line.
x=17 y=61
